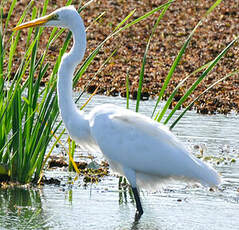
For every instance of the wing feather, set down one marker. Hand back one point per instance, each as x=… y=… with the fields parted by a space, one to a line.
x=137 y=142
x=147 y=126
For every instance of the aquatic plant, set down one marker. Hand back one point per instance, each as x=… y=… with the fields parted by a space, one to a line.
x=28 y=112
x=189 y=92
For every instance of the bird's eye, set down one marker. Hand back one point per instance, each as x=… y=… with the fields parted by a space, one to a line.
x=55 y=17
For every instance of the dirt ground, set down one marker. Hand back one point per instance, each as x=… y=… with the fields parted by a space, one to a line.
x=217 y=31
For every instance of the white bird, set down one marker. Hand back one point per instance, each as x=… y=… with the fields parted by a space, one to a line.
x=139 y=148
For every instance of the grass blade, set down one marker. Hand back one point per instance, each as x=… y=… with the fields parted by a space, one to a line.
x=89 y=59
x=170 y=99
x=177 y=60
x=127 y=91
x=196 y=99
x=141 y=76
x=200 y=78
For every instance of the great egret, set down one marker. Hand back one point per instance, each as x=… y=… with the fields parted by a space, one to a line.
x=137 y=147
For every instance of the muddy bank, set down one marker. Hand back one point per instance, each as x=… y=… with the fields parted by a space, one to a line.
x=210 y=39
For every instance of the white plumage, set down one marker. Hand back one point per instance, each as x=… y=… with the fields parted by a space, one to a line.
x=135 y=145
x=134 y=142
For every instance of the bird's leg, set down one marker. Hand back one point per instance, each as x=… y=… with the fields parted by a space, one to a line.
x=139 y=209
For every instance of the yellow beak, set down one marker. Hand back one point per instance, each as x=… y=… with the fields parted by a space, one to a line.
x=33 y=23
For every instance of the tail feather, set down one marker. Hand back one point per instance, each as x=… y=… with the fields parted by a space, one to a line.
x=206 y=174
x=197 y=171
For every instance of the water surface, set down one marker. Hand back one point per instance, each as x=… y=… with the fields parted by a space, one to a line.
x=174 y=206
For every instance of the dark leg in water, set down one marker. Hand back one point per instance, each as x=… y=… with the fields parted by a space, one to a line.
x=139 y=211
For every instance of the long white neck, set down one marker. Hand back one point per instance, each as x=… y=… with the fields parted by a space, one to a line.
x=71 y=116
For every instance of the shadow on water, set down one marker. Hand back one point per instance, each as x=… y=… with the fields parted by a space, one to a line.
x=21 y=208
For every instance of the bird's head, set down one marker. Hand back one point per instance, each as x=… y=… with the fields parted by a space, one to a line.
x=63 y=17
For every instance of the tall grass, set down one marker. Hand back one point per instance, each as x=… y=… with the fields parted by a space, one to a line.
x=29 y=113
x=207 y=68
x=26 y=122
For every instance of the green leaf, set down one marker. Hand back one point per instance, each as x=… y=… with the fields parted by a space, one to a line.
x=141 y=76
x=196 y=99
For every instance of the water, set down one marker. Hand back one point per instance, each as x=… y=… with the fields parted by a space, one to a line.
x=174 y=206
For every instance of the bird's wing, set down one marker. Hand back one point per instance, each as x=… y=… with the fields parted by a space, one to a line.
x=138 y=142
x=147 y=126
